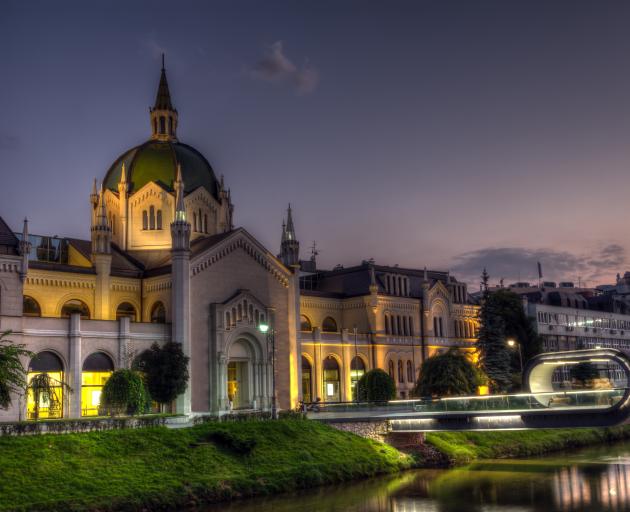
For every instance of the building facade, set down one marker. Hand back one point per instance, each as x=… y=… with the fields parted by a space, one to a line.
x=165 y=262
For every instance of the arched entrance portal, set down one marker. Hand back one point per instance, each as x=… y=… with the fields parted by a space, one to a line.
x=247 y=376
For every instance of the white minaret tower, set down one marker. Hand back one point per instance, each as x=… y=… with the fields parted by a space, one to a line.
x=180 y=272
x=101 y=258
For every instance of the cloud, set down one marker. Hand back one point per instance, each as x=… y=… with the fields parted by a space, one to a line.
x=276 y=67
x=9 y=142
x=512 y=264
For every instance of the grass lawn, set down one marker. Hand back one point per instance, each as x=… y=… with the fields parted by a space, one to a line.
x=464 y=447
x=159 y=468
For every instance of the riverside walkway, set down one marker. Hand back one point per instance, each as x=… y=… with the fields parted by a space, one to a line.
x=540 y=407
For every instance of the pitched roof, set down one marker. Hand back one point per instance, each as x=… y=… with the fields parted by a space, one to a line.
x=6 y=235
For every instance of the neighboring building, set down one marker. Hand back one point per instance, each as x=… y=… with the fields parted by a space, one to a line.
x=373 y=316
x=164 y=263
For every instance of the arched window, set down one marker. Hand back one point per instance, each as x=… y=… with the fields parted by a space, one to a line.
x=357 y=369
x=162 y=125
x=126 y=309
x=228 y=320
x=387 y=324
x=75 y=306
x=305 y=324
x=441 y=326
x=30 y=307
x=401 y=375
x=154 y=125
x=158 y=313
x=435 y=326
x=331 y=380
x=40 y=404
x=307 y=381
x=390 y=369
x=145 y=220
x=410 y=372
x=456 y=326
x=406 y=325
x=159 y=219
x=411 y=333
x=152 y=217
x=399 y=326
x=97 y=368
x=329 y=324
x=205 y=223
x=170 y=125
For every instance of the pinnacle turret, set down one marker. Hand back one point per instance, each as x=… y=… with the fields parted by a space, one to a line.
x=163 y=114
x=289 y=246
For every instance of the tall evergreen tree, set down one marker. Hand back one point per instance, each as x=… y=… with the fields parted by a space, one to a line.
x=494 y=354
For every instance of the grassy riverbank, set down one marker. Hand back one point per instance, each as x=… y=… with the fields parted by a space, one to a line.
x=464 y=447
x=158 y=468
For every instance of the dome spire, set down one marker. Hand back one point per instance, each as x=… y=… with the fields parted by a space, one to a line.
x=163 y=114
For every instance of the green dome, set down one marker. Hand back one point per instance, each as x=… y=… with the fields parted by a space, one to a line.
x=157 y=161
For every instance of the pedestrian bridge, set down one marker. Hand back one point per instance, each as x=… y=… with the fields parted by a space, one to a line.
x=541 y=406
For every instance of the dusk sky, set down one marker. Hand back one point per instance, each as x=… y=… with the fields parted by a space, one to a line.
x=452 y=135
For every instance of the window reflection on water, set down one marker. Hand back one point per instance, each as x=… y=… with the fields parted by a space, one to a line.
x=593 y=480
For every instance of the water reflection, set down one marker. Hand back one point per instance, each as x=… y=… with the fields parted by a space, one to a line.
x=591 y=480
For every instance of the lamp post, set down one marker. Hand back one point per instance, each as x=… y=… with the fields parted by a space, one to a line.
x=271 y=347
x=512 y=344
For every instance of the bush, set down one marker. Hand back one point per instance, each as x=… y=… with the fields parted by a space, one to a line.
x=448 y=374
x=376 y=386
x=125 y=393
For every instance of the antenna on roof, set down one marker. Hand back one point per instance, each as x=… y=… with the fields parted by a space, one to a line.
x=162 y=60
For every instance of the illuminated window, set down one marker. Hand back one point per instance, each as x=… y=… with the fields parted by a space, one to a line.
x=305 y=323
x=152 y=217
x=331 y=380
x=329 y=325
x=357 y=369
x=75 y=306
x=30 y=307
x=41 y=404
x=126 y=310
x=307 y=381
x=97 y=368
x=158 y=313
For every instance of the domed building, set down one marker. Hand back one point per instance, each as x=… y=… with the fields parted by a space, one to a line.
x=164 y=263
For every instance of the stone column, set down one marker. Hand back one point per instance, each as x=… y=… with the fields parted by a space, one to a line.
x=124 y=341
x=75 y=367
x=223 y=397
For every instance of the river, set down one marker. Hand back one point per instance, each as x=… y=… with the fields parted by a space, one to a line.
x=594 y=479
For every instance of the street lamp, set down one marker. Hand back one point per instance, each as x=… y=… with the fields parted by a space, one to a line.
x=271 y=348
x=512 y=344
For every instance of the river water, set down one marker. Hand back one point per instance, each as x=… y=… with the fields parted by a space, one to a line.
x=594 y=479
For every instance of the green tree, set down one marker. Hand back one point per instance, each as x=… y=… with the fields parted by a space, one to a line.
x=376 y=386
x=125 y=393
x=516 y=324
x=584 y=373
x=448 y=374
x=12 y=373
x=165 y=371
x=492 y=349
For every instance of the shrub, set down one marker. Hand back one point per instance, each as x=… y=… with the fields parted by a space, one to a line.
x=125 y=393
x=376 y=386
x=448 y=374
